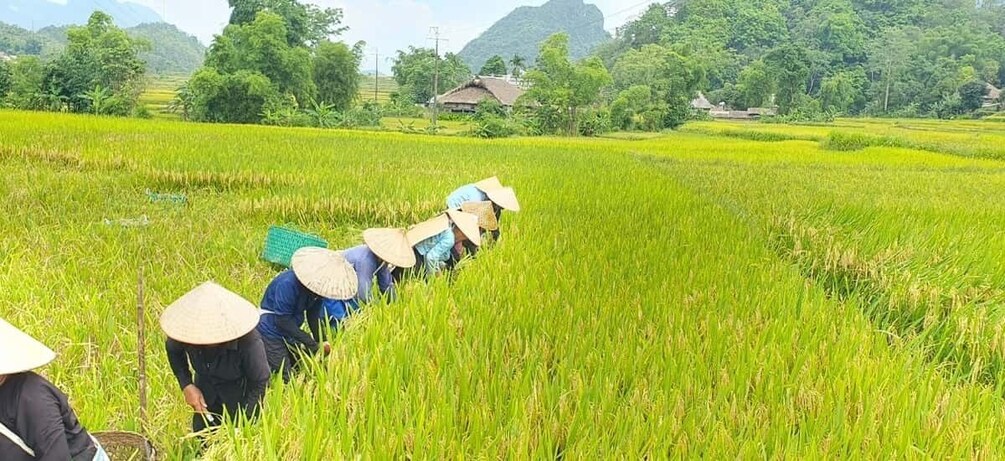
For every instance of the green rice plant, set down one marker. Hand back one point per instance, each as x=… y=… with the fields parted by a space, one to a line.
x=649 y=302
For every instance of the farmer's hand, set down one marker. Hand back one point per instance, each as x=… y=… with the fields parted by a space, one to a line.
x=327 y=348
x=194 y=398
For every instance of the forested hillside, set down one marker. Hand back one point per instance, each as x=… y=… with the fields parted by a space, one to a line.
x=521 y=32
x=902 y=57
x=168 y=50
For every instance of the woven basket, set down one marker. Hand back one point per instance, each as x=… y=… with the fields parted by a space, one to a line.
x=281 y=243
x=126 y=446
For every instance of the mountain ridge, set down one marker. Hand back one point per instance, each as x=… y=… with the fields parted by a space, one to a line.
x=38 y=14
x=520 y=32
x=172 y=51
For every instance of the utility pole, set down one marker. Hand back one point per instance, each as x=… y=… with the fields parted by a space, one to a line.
x=435 y=32
x=376 y=73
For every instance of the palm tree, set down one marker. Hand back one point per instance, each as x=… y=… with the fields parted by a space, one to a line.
x=517 y=63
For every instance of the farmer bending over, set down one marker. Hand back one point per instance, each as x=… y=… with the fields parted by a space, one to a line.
x=36 y=421
x=294 y=295
x=434 y=240
x=488 y=190
x=211 y=332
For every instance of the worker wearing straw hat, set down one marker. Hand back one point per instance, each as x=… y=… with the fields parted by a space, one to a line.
x=488 y=190
x=485 y=214
x=434 y=239
x=383 y=250
x=36 y=421
x=211 y=332
x=316 y=273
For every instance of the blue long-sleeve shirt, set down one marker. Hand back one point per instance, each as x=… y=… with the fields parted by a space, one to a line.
x=287 y=302
x=465 y=194
x=435 y=251
x=336 y=311
x=368 y=266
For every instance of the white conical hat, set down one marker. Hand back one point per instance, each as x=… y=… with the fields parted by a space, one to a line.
x=427 y=229
x=486 y=215
x=208 y=315
x=390 y=245
x=504 y=197
x=20 y=352
x=325 y=272
x=468 y=224
x=490 y=183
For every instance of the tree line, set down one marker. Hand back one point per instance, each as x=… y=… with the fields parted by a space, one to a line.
x=278 y=62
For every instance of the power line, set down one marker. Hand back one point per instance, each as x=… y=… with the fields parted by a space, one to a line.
x=376 y=72
x=435 y=32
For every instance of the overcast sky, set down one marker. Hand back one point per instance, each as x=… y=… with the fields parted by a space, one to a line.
x=387 y=25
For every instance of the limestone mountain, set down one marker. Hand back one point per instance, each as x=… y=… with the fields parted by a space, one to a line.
x=521 y=32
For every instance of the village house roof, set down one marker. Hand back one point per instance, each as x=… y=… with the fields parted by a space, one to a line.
x=701 y=102
x=479 y=88
x=993 y=93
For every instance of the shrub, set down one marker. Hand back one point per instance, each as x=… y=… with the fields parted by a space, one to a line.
x=594 y=122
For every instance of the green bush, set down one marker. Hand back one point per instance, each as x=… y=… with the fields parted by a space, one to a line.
x=491 y=126
x=594 y=122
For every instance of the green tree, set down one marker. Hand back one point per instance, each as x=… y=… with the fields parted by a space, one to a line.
x=889 y=59
x=972 y=95
x=791 y=68
x=6 y=80
x=518 y=64
x=240 y=97
x=560 y=88
x=672 y=78
x=336 y=74
x=260 y=47
x=98 y=54
x=756 y=85
x=496 y=65
x=415 y=68
x=306 y=24
x=27 y=74
x=838 y=93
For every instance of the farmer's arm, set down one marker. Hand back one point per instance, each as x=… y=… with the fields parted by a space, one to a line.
x=46 y=433
x=256 y=371
x=179 y=362
x=293 y=334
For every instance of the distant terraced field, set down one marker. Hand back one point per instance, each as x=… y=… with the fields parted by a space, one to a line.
x=162 y=89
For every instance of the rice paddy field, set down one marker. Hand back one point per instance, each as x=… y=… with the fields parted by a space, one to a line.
x=704 y=294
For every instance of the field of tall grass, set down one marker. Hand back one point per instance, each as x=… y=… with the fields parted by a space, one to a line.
x=689 y=296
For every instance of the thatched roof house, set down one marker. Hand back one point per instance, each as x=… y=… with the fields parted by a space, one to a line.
x=701 y=103
x=994 y=94
x=466 y=97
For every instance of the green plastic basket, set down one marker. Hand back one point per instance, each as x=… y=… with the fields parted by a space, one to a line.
x=281 y=243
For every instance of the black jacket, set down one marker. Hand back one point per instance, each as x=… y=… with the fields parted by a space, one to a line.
x=234 y=375
x=41 y=415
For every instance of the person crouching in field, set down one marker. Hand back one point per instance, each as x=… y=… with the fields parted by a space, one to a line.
x=297 y=294
x=211 y=334
x=434 y=240
x=384 y=251
x=36 y=421
x=488 y=190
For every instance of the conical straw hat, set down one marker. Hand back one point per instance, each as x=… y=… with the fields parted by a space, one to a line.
x=325 y=272
x=390 y=245
x=427 y=229
x=486 y=215
x=468 y=224
x=208 y=315
x=504 y=197
x=490 y=183
x=20 y=352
